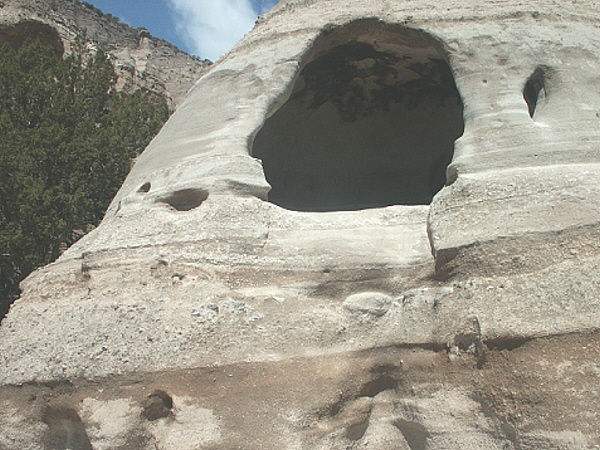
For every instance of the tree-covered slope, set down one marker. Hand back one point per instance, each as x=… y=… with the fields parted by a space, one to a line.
x=67 y=142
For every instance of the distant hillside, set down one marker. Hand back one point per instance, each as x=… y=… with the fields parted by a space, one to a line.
x=141 y=60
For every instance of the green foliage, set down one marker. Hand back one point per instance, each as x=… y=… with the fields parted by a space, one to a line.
x=67 y=142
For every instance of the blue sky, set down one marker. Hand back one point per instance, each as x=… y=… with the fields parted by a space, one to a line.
x=205 y=28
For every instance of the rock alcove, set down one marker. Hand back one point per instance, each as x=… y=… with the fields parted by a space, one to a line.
x=371 y=122
x=16 y=35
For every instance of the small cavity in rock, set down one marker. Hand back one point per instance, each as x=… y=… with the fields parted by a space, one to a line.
x=156 y=405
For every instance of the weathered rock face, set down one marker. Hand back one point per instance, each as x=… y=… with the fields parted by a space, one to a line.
x=376 y=300
x=142 y=61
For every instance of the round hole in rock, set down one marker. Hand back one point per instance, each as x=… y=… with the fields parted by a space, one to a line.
x=144 y=188
x=156 y=405
x=371 y=122
x=185 y=199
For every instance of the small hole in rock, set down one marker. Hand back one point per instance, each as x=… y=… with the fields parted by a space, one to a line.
x=144 y=188
x=156 y=405
x=357 y=431
x=374 y=387
x=414 y=433
x=185 y=199
x=535 y=90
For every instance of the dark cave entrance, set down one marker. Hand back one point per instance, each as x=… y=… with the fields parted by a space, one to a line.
x=16 y=35
x=371 y=122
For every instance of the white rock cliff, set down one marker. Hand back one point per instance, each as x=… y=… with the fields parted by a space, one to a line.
x=372 y=225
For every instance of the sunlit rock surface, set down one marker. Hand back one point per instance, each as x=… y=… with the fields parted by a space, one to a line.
x=372 y=225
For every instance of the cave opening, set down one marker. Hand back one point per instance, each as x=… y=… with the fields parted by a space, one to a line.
x=15 y=35
x=371 y=122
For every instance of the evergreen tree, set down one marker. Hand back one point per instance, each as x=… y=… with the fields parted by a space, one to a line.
x=67 y=142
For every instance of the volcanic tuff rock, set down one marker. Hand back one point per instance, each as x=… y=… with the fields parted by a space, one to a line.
x=383 y=233
x=142 y=61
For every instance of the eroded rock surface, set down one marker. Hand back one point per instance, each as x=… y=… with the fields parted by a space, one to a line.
x=460 y=313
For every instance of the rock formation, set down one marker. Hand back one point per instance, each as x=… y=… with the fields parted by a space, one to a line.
x=372 y=225
x=141 y=60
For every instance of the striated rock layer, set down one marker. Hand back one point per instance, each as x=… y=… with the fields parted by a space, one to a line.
x=372 y=225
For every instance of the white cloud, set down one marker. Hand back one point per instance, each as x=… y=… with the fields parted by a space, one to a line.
x=211 y=27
